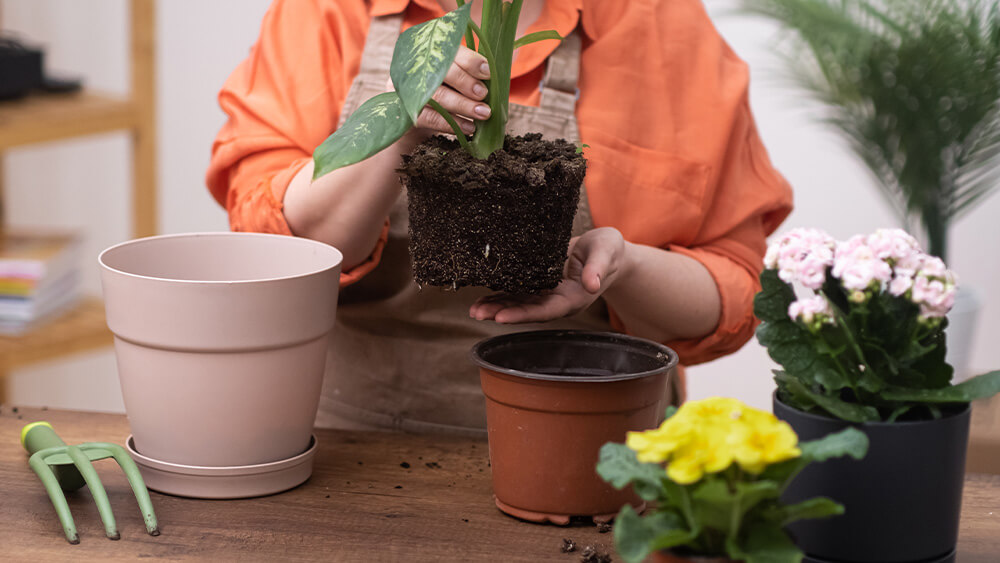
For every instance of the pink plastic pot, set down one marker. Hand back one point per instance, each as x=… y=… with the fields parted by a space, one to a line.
x=221 y=342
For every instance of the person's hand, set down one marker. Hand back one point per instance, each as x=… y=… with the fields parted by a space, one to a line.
x=461 y=94
x=596 y=259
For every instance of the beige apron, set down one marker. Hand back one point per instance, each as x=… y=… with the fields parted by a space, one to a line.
x=399 y=355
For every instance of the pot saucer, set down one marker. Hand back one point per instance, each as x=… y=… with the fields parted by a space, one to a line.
x=557 y=519
x=238 y=481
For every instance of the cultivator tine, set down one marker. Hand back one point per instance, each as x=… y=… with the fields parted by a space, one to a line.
x=83 y=465
x=138 y=487
x=56 y=495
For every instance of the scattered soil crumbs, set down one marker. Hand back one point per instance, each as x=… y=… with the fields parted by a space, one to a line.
x=433 y=465
x=327 y=496
x=593 y=555
x=603 y=527
x=568 y=546
x=465 y=519
x=398 y=487
x=404 y=465
x=503 y=222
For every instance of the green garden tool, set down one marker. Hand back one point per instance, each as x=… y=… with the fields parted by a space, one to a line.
x=68 y=468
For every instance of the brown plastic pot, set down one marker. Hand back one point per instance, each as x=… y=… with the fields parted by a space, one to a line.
x=221 y=342
x=553 y=398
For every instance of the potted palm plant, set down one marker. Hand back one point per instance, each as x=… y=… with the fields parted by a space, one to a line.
x=492 y=210
x=719 y=498
x=866 y=348
x=914 y=87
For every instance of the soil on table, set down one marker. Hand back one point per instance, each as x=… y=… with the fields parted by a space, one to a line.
x=502 y=223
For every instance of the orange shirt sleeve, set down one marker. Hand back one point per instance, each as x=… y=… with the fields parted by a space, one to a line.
x=281 y=102
x=675 y=160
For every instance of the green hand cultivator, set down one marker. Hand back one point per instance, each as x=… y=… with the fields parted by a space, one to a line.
x=67 y=468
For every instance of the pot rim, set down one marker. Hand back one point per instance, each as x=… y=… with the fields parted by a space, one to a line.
x=610 y=337
x=338 y=257
x=965 y=408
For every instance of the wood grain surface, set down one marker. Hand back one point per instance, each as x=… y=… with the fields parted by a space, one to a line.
x=361 y=504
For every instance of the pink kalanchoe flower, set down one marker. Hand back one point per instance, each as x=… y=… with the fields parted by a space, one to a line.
x=801 y=255
x=809 y=309
x=892 y=244
x=900 y=285
x=857 y=266
x=934 y=288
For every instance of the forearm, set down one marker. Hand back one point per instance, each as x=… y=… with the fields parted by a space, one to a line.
x=664 y=296
x=347 y=207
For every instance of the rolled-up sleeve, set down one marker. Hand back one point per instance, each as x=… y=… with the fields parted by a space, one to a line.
x=281 y=102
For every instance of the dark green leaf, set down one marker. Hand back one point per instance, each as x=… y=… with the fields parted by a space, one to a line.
x=712 y=502
x=423 y=55
x=979 y=387
x=771 y=304
x=848 y=442
x=375 y=125
x=618 y=466
x=851 y=412
x=535 y=37
x=669 y=412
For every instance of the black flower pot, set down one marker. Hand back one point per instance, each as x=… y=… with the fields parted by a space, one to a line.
x=902 y=501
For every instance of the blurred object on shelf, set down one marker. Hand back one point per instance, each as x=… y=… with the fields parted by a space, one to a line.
x=22 y=71
x=39 y=276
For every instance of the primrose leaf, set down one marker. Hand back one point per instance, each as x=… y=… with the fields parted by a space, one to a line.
x=619 y=466
x=375 y=125
x=979 y=387
x=819 y=507
x=767 y=542
x=423 y=55
x=849 y=441
x=636 y=538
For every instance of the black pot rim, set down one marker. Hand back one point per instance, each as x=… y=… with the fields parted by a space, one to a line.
x=965 y=407
x=610 y=337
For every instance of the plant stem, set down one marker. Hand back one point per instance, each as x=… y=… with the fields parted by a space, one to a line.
x=451 y=121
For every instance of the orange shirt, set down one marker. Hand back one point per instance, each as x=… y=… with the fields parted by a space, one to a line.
x=674 y=156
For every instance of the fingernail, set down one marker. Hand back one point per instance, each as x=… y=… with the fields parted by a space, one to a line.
x=485 y=68
x=482 y=110
x=468 y=128
x=479 y=90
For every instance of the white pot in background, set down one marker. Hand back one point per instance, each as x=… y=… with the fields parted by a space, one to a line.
x=961 y=332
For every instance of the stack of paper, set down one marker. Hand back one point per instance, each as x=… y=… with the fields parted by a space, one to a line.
x=39 y=277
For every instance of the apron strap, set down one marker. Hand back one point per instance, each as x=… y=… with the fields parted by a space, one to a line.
x=559 y=86
x=377 y=55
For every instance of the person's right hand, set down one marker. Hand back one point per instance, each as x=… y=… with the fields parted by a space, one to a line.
x=461 y=94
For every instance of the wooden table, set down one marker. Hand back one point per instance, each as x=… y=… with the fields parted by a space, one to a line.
x=359 y=505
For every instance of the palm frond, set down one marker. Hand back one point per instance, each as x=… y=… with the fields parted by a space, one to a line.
x=913 y=85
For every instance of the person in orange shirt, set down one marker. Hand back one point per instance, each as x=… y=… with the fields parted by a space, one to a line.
x=670 y=234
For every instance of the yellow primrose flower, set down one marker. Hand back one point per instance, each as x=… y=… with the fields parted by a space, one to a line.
x=708 y=436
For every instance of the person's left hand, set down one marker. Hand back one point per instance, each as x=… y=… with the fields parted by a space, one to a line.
x=596 y=259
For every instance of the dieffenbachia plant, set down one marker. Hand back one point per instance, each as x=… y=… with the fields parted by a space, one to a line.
x=715 y=471
x=868 y=342
x=420 y=62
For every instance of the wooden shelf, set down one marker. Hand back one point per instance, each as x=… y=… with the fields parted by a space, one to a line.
x=49 y=117
x=82 y=329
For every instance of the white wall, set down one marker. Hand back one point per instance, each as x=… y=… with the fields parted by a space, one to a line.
x=85 y=182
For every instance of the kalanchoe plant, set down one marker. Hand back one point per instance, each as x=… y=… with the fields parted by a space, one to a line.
x=420 y=62
x=727 y=464
x=868 y=344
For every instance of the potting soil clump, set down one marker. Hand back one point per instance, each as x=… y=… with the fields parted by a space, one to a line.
x=503 y=223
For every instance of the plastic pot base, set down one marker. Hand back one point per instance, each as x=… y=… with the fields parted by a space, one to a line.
x=946 y=558
x=242 y=481
x=557 y=519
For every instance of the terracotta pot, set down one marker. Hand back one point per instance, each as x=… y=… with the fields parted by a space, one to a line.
x=902 y=502
x=672 y=557
x=221 y=342
x=553 y=398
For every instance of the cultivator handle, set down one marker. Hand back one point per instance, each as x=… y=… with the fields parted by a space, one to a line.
x=39 y=436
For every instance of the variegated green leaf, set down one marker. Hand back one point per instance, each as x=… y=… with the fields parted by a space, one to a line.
x=423 y=55
x=378 y=123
